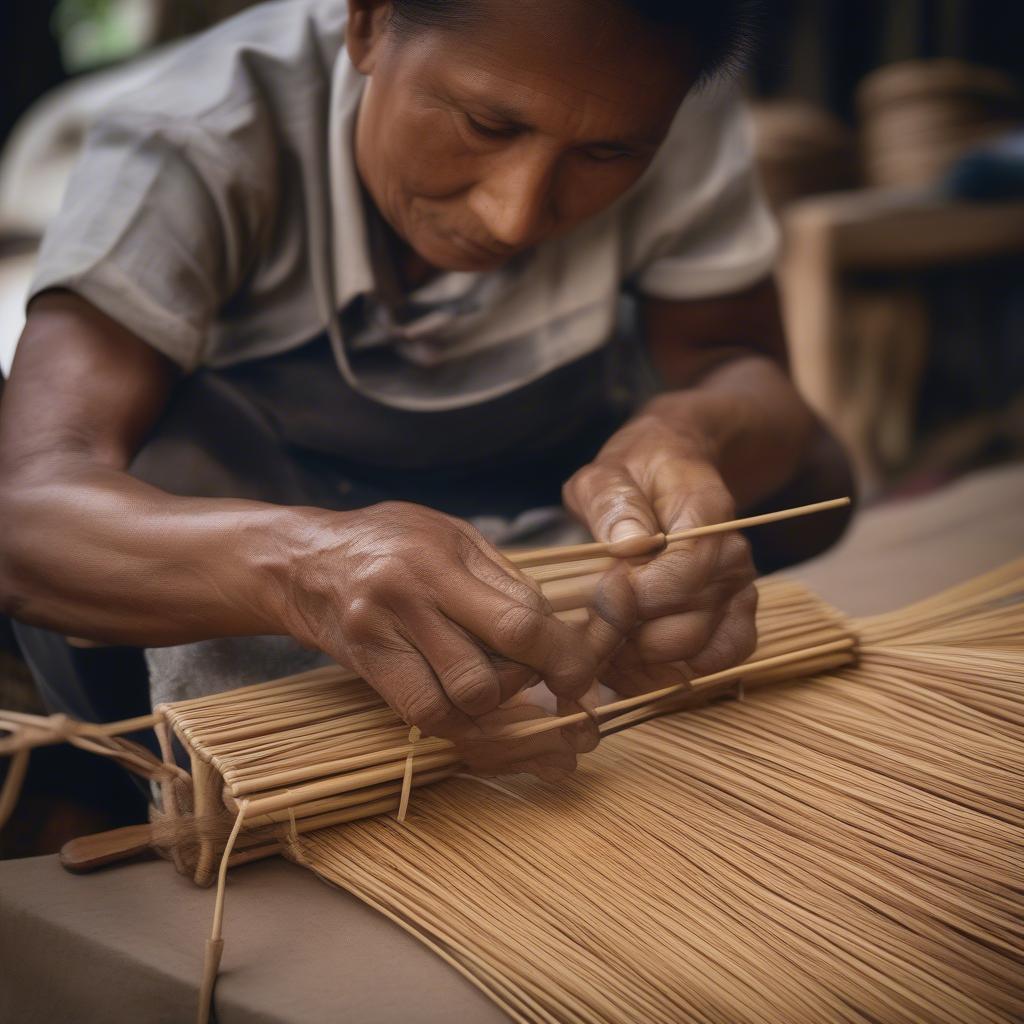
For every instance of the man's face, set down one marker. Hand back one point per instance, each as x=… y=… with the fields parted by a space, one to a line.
x=480 y=142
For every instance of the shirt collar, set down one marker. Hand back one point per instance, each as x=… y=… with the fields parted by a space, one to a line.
x=350 y=249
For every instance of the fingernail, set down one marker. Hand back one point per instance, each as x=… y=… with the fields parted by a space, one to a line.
x=625 y=529
x=637 y=545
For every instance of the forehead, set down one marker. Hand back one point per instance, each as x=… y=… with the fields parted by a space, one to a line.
x=585 y=63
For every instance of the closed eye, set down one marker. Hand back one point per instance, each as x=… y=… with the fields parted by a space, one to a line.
x=488 y=131
x=607 y=154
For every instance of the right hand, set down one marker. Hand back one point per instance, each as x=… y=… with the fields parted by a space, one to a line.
x=440 y=623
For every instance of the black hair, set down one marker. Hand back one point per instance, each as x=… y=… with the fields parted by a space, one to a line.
x=723 y=31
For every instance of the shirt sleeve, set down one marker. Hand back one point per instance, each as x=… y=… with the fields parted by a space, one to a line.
x=698 y=224
x=159 y=224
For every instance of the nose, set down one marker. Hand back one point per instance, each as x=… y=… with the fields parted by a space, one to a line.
x=514 y=199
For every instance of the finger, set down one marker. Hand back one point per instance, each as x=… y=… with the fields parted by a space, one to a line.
x=489 y=564
x=400 y=674
x=688 y=494
x=513 y=678
x=603 y=630
x=521 y=633
x=628 y=675
x=700 y=574
x=466 y=674
x=582 y=737
x=491 y=754
x=610 y=503
x=677 y=637
x=734 y=639
x=613 y=613
x=674 y=580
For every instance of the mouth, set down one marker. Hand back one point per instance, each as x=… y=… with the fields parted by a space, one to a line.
x=478 y=250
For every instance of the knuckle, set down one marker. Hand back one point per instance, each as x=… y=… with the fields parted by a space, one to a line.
x=521 y=627
x=361 y=618
x=379 y=576
x=429 y=712
x=471 y=684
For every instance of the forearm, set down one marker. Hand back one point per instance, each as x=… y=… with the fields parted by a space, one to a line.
x=91 y=552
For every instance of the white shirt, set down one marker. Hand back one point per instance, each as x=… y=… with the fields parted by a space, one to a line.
x=216 y=212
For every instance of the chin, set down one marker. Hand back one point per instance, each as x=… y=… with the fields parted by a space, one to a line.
x=445 y=251
x=447 y=256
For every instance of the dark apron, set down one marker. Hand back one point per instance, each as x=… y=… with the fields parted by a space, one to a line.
x=289 y=430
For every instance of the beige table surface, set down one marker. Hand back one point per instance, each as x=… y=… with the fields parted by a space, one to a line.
x=126 y=944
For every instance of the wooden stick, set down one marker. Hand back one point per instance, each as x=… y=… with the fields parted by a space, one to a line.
x=635 y=547
x=628 y=703
x=403 y=803
x=215 y=943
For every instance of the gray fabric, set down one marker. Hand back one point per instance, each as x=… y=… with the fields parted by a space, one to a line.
x=212 y=666
x=217 y=212
x=127 y=945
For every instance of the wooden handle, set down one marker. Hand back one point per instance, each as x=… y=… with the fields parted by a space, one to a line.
x=87 y=853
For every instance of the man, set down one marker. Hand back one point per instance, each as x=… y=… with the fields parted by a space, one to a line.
x=331 y=258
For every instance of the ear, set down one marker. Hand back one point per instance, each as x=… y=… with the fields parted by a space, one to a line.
x=367 y=23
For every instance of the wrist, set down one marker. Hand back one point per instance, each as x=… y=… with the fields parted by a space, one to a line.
x=280 y=550
x=684 y=422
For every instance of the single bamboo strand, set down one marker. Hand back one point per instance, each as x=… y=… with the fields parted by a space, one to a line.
x=579 y=552
x=629 y=703
x=215 y=943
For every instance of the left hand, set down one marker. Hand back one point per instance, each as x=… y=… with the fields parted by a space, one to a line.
x=696 y=603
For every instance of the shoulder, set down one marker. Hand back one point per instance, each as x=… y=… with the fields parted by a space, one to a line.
x=262 y=64
x=697 y=223
x=709 y=144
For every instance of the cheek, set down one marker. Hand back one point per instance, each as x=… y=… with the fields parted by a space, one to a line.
x=425 y=151
x=585 y=189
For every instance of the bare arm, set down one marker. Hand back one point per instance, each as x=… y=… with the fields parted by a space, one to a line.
x=88 y=549
x=732 y=434
x=416 y=601
x=729 y=361
x=732 y=408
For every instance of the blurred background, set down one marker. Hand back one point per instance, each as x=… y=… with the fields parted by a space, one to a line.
x=890 y=137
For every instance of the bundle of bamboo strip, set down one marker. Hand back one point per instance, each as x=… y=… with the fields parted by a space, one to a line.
x=849 y=848
x=846 y=848
x=322 y=748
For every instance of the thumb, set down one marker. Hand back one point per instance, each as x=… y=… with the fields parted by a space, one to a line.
x=611 y=504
